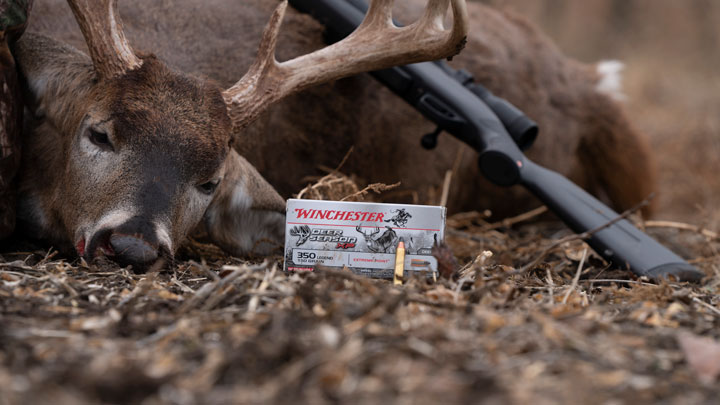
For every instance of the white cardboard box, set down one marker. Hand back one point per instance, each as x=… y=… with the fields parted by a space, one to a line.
x=362 y=236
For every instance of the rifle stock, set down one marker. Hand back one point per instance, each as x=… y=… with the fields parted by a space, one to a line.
x=458 y=109
x=621 y=243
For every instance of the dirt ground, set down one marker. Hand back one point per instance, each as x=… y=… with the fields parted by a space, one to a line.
x=214 y=329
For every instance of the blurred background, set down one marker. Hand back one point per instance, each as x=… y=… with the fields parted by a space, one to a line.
x=671 y=79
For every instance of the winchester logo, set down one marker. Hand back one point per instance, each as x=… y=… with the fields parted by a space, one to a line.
x=333 y=215
x=401 y=218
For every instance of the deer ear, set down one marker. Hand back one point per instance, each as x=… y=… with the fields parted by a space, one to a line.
x=54 y=76
x=247 y=215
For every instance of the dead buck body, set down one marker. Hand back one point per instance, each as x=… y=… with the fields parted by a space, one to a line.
x=124 y=155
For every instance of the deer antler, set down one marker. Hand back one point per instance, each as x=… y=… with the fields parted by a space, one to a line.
x=376 y=44
x=101 y=26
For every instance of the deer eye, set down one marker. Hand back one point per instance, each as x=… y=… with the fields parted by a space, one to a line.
x=209 y=187
x=100 y=139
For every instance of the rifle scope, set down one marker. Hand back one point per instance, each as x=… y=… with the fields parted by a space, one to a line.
x=521 y=128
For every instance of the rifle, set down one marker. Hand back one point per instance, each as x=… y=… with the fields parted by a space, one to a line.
x=497 y=131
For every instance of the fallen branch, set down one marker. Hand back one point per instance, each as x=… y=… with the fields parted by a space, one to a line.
x=377 y=188
x=706 y=305
x=576 y=278
x=616 y=280
x=680 y=225
x=508 y=222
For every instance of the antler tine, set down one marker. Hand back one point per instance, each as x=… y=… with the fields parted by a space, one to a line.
x=379 y=14
x=266 y=51
x=434 y=15
x=243 y=91
x=101 y=26
x=376 y=44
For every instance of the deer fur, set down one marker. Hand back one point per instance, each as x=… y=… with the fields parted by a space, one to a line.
x=584 y=132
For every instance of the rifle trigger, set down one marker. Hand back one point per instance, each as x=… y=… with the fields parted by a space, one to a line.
x=429 y=141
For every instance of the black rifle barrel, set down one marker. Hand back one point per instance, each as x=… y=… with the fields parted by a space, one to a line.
x=432 y=90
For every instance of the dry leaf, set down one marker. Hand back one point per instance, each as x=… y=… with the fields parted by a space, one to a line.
x=167 y=295
x=702 y=355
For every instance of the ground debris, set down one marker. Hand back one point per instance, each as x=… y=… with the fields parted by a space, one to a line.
x=215 y=329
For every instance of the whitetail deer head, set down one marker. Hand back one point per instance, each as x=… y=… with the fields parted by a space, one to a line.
x=368 y=236
x=379 y=244
x=302 y=232
x=131 y=155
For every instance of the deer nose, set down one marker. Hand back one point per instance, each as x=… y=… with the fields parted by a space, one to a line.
x=133 y=243
x=133 y=250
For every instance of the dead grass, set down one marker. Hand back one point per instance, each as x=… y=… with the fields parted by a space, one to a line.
x=223 y=330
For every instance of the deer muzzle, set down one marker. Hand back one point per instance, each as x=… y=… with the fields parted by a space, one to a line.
x=134 y=243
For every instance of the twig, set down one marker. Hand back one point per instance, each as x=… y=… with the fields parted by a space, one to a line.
x=50 y=254
x=446 y=188
x=508 y=222
x=182 y=285
x=254 y=301
x=473 y=237
x=613 y=280
x=141 y=289
x=551 y=284
x=375 y=187
x=344 y=159
x=336 y=170
x=683 y=226
x=576 y=278
x=200 y=295
x=706 y=305
x=17 y=264
x=437 y=304
x=204 y=292
x=704 y=260
x=461 y=283
x=324 y=181
x=61 y=282
x=144 y=285
x=203 y=266
x=20 y=274
x=43 y=333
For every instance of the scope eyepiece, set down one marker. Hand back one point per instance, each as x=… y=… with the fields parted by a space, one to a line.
x=521 y=128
